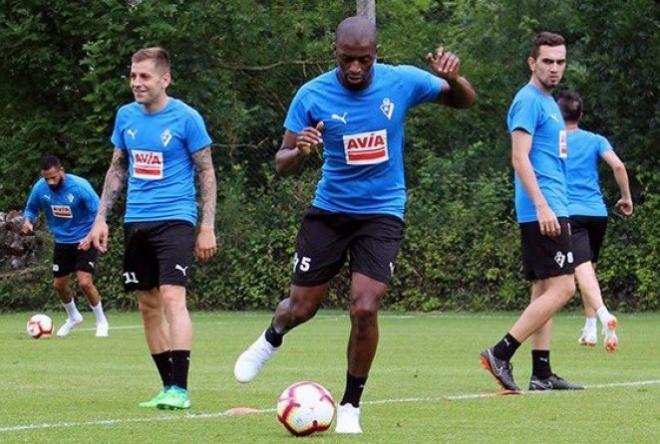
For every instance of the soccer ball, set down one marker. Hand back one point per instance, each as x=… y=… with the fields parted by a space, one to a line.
x=40 y=326
x=305 y=407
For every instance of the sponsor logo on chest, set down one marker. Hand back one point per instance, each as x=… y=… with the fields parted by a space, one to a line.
x=63 y=211
x=148 y=165
x=366 y=148
x=563 y=145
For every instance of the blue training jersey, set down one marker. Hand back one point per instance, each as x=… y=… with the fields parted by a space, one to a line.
x=159 y=147
x=363 y=136
x=537 y=114
x=70 y=210
x=584 y=195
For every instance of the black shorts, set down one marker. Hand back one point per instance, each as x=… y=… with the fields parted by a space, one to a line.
x=544 y=256
x=157 y=253
x=371 y=241
x=587 y=234
x=67 y=258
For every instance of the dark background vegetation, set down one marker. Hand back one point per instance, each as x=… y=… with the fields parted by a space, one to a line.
x=63 y=73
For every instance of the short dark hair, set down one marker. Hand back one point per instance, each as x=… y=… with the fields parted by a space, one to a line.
x=159 y=55
x=570 y=104
x=545 y=39
x=49 y=161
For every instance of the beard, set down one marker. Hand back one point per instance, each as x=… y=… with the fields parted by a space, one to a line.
x=56 y=186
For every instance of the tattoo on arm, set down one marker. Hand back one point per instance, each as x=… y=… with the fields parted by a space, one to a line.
x=208 y=186
x=114 y=182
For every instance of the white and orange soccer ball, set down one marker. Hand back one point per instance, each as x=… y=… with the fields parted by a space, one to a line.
x=40 y=326
x=305 y=407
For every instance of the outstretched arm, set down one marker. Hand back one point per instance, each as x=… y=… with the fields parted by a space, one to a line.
x=112 y=187
x=456 y=90
x=206 y=245
x=625 y=204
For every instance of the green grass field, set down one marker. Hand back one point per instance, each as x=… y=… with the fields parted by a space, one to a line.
x=424 y=387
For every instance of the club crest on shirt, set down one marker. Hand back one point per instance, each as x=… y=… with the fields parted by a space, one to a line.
x=147 y=165
x=387 y=107
x=63 y=211
x=366 y=148
x=165 y=137
x=69 y=197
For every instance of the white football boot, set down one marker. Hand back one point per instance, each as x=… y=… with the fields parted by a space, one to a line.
x=348 y=419
x=102 y=329
x=68 y=326
x=251 y=360
x=589 y=337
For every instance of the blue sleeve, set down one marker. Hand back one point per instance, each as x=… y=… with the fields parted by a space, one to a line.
x=603 y=145
x=523 y=115
x=89 y=196
x=32 y=206
x=117 y=138
x=197 y=137
x=299 y=115
x=425 y=86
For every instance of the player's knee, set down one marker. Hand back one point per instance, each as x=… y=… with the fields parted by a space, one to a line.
x=302 y=311
x=60 y=285
x=149 y=307
x=567 y=288
x=364 y=311
x=85 y=283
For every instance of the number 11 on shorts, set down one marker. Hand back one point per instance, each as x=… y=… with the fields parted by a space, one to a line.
x=304 y=263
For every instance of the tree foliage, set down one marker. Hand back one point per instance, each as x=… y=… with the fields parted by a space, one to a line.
x=64 y=73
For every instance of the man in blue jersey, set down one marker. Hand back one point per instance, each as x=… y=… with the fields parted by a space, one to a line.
x=70 y=204
x=159 y=144
x=588 y=214
x=539 y=152
x=359 y=110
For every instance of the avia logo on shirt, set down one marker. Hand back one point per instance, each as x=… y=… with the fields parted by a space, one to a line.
x=366 y=148
x=165 y=137
x=147 y=165
x=63 y=211
x=563 y=145
x=387 y=107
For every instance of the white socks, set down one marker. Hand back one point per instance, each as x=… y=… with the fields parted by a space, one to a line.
x=603 y=315
x=72 y=311
x=98 y=312
x=590 y=324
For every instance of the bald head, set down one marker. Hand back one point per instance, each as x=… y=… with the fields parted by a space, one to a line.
x=357 y=30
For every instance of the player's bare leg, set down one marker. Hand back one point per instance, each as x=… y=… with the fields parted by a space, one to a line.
x=590 y=289
x=63 y=287
x=301 y=305
x=366 y=294
x=86 y=284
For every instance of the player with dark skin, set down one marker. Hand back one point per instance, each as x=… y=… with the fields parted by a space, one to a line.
x=356 y=52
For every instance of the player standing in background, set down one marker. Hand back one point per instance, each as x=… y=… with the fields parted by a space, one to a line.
x=359 y=110
x=539 y=152
x=588 y=214
x=70 y=205
x=159 y=144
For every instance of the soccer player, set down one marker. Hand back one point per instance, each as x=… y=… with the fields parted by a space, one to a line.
x=539 y=152
x=159 y=144
x=588 y=214
x=70 y=205
x=358 y=111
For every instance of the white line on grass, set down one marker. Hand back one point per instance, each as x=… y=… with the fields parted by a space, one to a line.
x=104 y=422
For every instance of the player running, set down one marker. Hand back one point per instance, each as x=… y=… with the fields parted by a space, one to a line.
x=588 y=214
x=70 y=205
x=159 y=144
x=358 y=111
x=539 y=153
